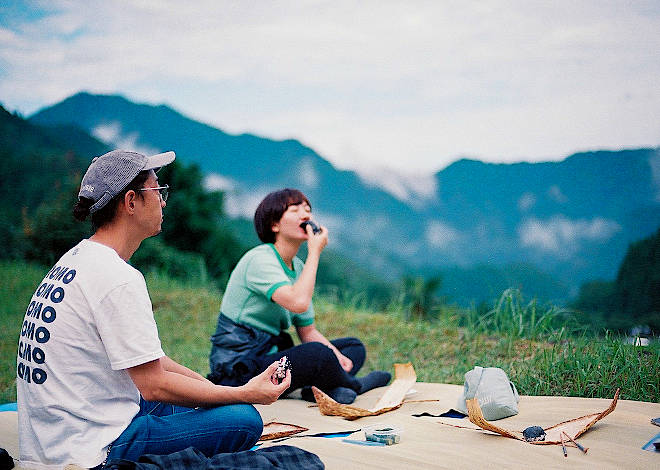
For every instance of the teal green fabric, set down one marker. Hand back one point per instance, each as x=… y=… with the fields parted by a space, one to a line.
x=497 y=395
x=248 y=297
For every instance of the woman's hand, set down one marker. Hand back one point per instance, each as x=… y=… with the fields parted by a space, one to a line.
x=297 y=297
x=309 y=333
x=316 y=242
x=344 y=361
x=261 y=390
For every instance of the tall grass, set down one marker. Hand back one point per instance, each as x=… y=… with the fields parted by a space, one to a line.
x=595 y=367
x=512 y=318
x=544 y=349
x=19 y=281
x=541 y=347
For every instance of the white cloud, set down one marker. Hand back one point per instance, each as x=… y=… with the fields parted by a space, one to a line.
x=368 y=227
x=554 y=192
x=307 y=174
x=561 y=235
x=526 y=201
x=407 y=85
x=414 y=188
x=440 y=235
x=217 y=182
x=112 y=134
x=243 y=204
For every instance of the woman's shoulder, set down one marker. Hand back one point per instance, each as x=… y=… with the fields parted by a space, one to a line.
x=263 y=250
x=259 y=254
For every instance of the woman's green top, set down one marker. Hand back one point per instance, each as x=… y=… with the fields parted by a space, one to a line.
x=248 y=297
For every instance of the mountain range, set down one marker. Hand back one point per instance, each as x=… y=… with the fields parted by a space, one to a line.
x=545 y=227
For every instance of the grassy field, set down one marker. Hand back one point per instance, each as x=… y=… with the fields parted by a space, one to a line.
x=541 y=348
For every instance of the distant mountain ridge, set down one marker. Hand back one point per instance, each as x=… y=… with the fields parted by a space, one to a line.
x=572 y=219
x=251 y=165
x=38 y=165
x=578 y=214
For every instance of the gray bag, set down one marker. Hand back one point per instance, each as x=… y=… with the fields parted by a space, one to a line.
x=496 y=394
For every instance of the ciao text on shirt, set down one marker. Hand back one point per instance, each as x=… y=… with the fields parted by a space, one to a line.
x=41 y=312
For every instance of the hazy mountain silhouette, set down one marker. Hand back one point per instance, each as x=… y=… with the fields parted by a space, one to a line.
x=572 y=219
x=575 y=217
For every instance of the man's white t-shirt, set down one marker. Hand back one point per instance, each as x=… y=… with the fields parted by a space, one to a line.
x=88 y=321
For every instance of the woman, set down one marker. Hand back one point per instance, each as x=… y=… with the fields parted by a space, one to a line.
x=269 y=290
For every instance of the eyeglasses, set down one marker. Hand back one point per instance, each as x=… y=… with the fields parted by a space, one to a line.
x=162 y=190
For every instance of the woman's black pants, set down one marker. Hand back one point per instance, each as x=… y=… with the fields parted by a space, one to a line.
x=315 y=364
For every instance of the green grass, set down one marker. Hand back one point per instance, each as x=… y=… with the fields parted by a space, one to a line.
x=554 y=362
x=541 y=348
x=19 y=281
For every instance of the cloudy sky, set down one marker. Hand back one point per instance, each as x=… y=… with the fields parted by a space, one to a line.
x=411 y=85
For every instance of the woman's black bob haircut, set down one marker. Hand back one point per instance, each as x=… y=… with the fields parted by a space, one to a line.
x=272 y=208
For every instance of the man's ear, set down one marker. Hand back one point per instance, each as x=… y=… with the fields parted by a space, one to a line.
x=129 y=201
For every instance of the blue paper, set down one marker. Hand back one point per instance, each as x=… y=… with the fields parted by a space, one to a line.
x=649 y=445
x=8 y=407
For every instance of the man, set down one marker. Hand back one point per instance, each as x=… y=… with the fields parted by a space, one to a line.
x=93 y=381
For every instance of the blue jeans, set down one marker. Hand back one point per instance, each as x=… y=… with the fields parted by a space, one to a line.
x=162 y=429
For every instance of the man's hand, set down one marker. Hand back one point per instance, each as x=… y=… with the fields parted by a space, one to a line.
x=261 y=390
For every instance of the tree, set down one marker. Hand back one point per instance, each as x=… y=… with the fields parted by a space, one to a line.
x=51 y=229
x=637 y=286
x=194 y=220
x=420 y=295
x=596 y=299
x=633 y=299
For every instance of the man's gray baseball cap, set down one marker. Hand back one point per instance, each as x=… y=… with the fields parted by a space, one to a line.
x=109 y=174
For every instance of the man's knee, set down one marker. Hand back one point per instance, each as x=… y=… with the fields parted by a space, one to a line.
x=235 y=428
x=246 y=417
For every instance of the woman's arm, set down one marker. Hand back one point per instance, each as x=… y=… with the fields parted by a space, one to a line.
x=309 y=333
x=296 y=297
